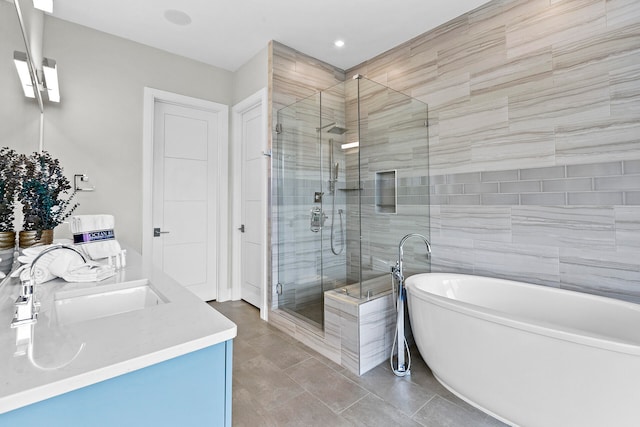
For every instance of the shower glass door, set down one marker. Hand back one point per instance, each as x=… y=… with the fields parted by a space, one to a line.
x=351 y=173
x=298 y=179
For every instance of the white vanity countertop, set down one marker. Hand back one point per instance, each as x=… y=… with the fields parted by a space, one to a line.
x=59 y=358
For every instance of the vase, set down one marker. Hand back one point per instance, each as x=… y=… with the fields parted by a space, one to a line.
x=30 y=238
x=7 y=249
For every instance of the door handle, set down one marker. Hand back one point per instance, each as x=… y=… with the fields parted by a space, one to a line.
x=241 y=228
x=157 y=232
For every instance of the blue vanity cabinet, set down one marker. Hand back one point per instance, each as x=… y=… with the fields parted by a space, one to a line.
x=189 y=390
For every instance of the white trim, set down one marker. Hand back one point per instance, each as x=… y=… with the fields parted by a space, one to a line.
x=150 y=97
x=257 y=99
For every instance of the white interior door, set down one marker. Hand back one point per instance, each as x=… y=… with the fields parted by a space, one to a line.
x=253 y=179
x=185 y=193
x=250 y=201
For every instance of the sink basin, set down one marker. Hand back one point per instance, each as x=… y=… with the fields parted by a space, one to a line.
x=105 y=300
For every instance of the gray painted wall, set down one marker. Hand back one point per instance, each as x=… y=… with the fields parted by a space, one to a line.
x=97 y=128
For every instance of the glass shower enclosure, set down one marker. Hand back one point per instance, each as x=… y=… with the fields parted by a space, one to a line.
x=351 y=174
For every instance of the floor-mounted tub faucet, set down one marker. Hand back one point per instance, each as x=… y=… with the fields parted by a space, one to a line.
x=403 y=365
x=397 y=271
x=26 y=312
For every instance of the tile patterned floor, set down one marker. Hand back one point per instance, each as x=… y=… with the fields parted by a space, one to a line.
x=278 y=381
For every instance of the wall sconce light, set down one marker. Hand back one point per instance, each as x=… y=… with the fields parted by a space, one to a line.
x=22 y=66
x=50 y=70
x=44 y=5
x=48 y=81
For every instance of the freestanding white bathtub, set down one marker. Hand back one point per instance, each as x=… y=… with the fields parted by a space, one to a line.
x=529 y=355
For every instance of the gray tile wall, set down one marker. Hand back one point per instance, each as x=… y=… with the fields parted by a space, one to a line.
x=534 y=109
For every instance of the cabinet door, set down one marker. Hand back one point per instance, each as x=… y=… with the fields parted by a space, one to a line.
x=193 y=389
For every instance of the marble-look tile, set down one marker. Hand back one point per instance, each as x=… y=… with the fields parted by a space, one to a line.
x=607 y=273
x=566 y=102
x=560 y=22
x=486 y=222
x=450 y=254
x=525 y=263
x=474 y=52
x=622 y=12
x=625 y=93
x=598 y=141
x=627 y=223
x=444 y=91
x=376 y=323
x=496 y=13
x=514 y=76
x=441 y=37
x=564 y=226
x=518 y=149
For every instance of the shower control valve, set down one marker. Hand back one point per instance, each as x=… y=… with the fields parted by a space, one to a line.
x=317 y=219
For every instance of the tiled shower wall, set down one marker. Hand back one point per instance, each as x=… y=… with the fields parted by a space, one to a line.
x=534 y=110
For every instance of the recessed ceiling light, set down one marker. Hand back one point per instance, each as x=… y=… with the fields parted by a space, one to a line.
x=177 y=17
x=338 y=43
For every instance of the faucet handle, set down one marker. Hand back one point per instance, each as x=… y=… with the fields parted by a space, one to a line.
x=26 y=287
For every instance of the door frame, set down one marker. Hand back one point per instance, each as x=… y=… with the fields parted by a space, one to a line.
x=257 y=99
x=151 y=96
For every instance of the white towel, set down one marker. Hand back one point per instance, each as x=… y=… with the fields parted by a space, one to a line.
x=41 y=272
x=88 y=273
x=94 y=235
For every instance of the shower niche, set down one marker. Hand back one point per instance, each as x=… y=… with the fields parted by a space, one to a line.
x=386 y=192
x=364 y=148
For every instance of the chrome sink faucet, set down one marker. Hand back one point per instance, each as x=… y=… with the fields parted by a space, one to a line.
x=26 y=306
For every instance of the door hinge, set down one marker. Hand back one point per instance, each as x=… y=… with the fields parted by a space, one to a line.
x=241 y=228
x=279 y=128
x=279 y=288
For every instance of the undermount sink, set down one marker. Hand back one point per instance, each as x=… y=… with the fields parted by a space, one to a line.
x=107 y=300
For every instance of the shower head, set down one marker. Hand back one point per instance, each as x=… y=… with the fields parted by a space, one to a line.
x=336 y=130
x=333 y=128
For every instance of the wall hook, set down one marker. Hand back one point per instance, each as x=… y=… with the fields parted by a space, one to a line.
x=80 y=178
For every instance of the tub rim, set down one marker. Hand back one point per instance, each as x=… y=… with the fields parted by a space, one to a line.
x=552 y=330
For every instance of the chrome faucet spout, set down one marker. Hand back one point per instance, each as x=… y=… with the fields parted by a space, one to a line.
x=32 y=270
x=399 y=271
x=403 y=362
x=26 y=306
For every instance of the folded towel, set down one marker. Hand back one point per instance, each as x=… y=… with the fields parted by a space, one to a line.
x=63 y=261
x=94 y=235
x=88 y=273
x=41 y=272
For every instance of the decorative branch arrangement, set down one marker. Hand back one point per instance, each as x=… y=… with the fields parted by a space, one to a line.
x=38 y=183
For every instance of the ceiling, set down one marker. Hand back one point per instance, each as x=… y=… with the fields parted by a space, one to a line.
x=227 y=33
